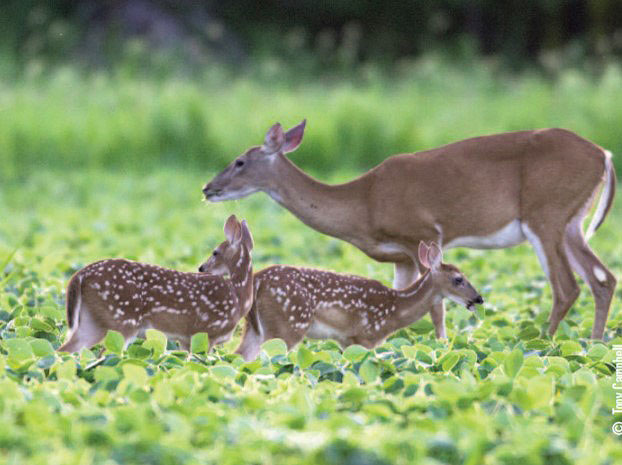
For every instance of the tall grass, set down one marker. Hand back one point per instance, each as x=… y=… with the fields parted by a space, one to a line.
x=69 y=119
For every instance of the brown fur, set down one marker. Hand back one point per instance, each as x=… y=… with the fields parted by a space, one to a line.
x=131 y=297
x=541 y=179
x=292 y=302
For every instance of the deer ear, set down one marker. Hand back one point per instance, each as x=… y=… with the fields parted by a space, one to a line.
x=274 y=138
x=293 y=137
x=231 y=228
x=423 y=254
x=435 y=256
x=247 y=237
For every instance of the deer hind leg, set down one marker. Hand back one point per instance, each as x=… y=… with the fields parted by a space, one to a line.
x=554 y=261
x=601 y=281
x=86 y=334
x=253 y=335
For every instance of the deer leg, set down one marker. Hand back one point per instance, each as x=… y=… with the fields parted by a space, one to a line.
x=601 y=281
x=554 y=261
x=87 y=333
x=437 y=312
x=406 y=273
x=252 y=337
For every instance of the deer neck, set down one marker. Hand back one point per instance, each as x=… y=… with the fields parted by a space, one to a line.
x=241 y=281
x=415 y=301
x=336 y=210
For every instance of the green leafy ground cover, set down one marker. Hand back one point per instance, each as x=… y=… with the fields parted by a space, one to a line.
x=497 y=392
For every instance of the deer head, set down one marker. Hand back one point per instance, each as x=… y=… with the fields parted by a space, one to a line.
x=448 y=278
x=250 y=172
x=225 y=256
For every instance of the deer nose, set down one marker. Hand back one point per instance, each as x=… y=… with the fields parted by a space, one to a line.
x=206 y=189
x=479 y=300
x=202 y=269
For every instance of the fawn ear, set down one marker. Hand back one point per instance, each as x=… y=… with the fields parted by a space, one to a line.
x=247 y=237
x=274 y=138
x=423 y=254
x=435 y=256
x=231 y=228
x=293 y=137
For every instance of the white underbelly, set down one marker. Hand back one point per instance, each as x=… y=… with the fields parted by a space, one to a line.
x=508 y=236
x=320 y=330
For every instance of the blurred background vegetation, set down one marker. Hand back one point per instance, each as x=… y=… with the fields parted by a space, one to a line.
x=139 y=84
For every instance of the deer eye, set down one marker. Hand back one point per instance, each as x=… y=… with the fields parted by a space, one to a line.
x=458 y=280
x=239 y=163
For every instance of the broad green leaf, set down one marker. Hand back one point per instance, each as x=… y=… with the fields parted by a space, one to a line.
x=410 y=352
x=304 y=357
x=105 y=374
x=530 y=332
x=114 y=342
x=19 y=350
x=135 y=374
x=199 y=343
x=597 y=351
x=274 y=347
x=41 y=347
x=66 y=370
x=422 y=326
x=449 y=361
x=155 y=341
x=41 y=325
x=570 y=348
x=223 y=371
x=537 y=344
x=513 y=362
x=369 y=371
x=355 y=353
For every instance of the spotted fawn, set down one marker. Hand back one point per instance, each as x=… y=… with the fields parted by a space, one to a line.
x=131 y=297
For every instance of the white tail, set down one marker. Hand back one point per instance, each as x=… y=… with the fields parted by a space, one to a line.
x=131 y=297
x=293 y=302
x=487 y=192
x=606 y=197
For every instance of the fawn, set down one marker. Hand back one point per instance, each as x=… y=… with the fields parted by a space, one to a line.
x=292 y=302
x=131 y=297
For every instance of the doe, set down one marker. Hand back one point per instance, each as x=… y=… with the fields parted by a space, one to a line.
x=131 y=297
x=488 y=192
x=292 y=302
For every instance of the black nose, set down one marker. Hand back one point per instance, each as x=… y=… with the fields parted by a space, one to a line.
x=479 y=300
x=201 y=269
x=206 y=189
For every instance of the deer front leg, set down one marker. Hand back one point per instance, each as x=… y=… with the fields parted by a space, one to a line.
x=438 y=318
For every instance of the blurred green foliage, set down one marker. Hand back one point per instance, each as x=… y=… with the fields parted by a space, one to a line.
x=126 y=120
x=499 y=391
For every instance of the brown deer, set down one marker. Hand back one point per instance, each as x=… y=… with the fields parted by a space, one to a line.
x=131 y=297
x=292 y=302
x=487 y=192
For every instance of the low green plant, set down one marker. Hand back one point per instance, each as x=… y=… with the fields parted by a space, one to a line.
x=500 y=391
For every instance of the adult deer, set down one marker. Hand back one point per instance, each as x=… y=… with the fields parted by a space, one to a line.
x=292 y=302
x=131 y=297
x=487 y=192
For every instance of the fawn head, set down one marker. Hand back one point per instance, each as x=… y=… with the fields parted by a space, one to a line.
x=248 y=173
x=226 y=256
x=452 y=283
